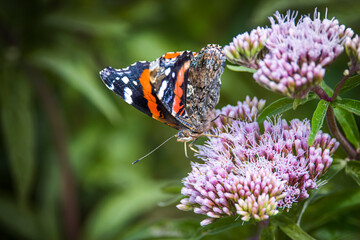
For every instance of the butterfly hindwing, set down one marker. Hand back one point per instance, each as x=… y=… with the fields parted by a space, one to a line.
x=172 y=80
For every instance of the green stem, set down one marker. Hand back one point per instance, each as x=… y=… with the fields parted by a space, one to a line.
x=321 y=93
x=330 y=118
x=353 y=69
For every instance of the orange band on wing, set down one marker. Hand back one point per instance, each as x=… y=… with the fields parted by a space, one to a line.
x=172 y=55
x=178 y=90
x=145 y=83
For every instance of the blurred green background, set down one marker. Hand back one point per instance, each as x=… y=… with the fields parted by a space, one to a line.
x=67 y=142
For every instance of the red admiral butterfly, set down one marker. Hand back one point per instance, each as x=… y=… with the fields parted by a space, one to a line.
x=180 y=89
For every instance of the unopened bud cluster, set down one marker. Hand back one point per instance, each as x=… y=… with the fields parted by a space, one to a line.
x=352 y=47
x=246 y=49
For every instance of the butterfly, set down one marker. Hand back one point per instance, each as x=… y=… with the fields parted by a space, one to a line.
x=180 y=89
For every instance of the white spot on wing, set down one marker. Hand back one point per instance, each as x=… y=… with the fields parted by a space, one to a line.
x=125 y=79
x=111 y=87
x=173 y=75
x=117 y=78
x=167 y=71
x=135 y=83
x=127 y=95
x=162 y=89
x=106 y=72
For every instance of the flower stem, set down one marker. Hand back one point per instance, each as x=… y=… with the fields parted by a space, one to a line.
x=353 y=69
x=330 y=119
x=321 y=93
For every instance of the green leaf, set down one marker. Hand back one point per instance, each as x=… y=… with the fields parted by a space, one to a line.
x=268 y=233
x=350 y=83
x=18 y=126
x=97 y=26
x=240 y=68
x=348 y=125
x=317 y=120
x=172 y=187
x=337 y=165
x=48 y=195
x=280 y=106
x=294 y=232
x=329 y=207
x=291 y=229
x=17 y=220
x=350 y=105
x=80 y=74
x=353 y=169
x=163 y=229
x=221 y=225
x=117 y=210
x=296 y=103
x=277 y=107
x=171 y=201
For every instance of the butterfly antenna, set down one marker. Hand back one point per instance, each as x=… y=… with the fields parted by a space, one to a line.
x=154 y=149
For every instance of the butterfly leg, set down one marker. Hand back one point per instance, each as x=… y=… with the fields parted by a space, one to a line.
x=222 y=115
x=186 y=155
x=191 y=146
x=211 y=135
x=205 y=135
x=185 y=148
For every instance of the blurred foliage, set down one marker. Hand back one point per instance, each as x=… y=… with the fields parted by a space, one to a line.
x=67 y=143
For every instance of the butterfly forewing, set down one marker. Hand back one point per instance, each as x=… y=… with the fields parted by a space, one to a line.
x=133 y=85
x=126 y=83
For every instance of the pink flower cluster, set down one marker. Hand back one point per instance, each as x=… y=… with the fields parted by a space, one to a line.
x=246 y=49
x=245 y=111
x=295 y=54
x=299 y=53
x=255 y=174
